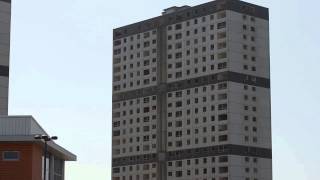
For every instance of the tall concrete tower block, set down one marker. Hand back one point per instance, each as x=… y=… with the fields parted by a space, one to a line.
x=191 y=95
x=5 y=18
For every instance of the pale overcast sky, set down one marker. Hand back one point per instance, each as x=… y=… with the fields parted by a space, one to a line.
x=61 y=63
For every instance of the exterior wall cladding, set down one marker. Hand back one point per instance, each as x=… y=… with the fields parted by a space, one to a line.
x=191 y=95
x=28 y=168
x=5 y=16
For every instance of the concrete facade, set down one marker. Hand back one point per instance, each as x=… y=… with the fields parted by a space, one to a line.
x=191 y=95
x=5 y=18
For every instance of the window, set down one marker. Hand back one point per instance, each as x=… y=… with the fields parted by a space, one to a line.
x=222 y=65
x=115 y=133
x=146 y=72
x=178 y=143
x=11 y=156
x=178 y=26
x=222 y=45
x=146 y=44
x=178 y=173
x=178 y=45
x=223 y=169
x=223 y=117
x=116 y=170
x=179 y=94
x=178 y=65
x=244 y=36
x=223 y=138
x=222 y=96
x=117 y=51
x=146 y=35
x=221 y=25
x=223 y=127
x=222 y=106
x=178 y=55
x=203 y=29
x=178 y=36
x=223 y=159
x=244 y=27
x=222 y=55
x=116 y=43
x=222 y=35
x=222 y=86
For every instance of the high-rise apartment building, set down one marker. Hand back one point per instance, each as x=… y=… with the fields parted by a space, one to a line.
x=191 y=95
x=5 y=16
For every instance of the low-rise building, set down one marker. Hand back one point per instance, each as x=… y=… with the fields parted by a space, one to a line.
x=22 y=156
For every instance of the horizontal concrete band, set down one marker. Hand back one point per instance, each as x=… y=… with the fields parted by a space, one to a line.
x=4 y=71
x=194 y=82
x=190 y=13
x=228 y=149
x=8 y=1
x=132 y=160
x=220 y=150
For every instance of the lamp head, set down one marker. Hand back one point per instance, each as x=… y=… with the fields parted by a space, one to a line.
x=38 y=137
x=54 y=137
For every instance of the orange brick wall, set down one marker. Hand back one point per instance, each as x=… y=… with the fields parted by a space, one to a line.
x=30 y=164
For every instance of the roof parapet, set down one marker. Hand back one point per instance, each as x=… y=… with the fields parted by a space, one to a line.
x=174 y=9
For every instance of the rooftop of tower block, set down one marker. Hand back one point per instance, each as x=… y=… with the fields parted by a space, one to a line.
x=174 y=9
x=177 y=14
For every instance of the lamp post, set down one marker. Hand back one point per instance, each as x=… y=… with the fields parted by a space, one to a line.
x=46 y=139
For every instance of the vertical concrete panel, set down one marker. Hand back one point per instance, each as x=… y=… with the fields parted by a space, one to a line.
x=5 y=18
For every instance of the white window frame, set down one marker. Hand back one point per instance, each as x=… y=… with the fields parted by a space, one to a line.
x=5 y=159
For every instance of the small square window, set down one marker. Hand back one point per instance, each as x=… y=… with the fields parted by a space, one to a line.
x=11 y=156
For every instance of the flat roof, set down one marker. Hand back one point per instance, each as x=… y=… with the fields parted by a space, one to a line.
x=190 y=13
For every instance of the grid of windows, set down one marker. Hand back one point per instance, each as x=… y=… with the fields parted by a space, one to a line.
x=197 y=47
x=249 y=45
x=213 y=168
x=135 y=126
x=135 y=172
x=250 y=119
x=197 y=117
x=135 y=61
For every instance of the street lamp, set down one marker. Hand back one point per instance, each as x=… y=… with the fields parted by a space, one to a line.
x=46 y=139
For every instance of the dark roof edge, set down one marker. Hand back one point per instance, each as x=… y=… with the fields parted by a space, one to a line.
x=7 y=1
x=190 y=13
